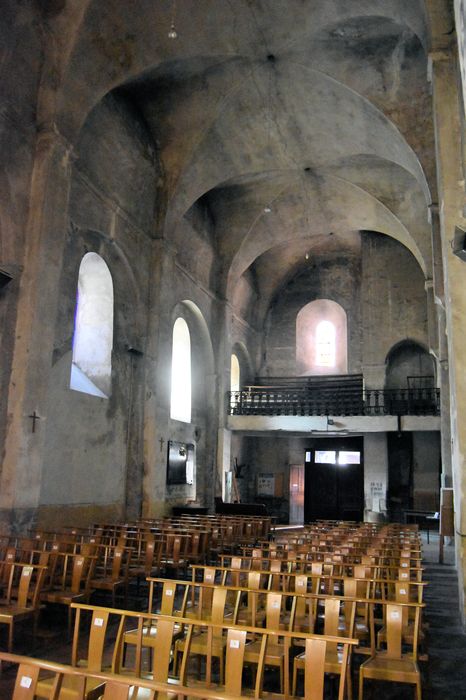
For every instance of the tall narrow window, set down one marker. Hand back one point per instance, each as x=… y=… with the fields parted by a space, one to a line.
x=180 y=404
x=235 y=379
x=325 y=344
x=91 y=368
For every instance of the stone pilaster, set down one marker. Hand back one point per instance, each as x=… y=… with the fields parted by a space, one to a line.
x=451 y=207
x=21 y=473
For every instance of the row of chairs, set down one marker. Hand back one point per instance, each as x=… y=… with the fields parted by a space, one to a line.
x=312 y=596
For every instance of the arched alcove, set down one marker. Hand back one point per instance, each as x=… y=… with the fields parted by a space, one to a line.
x=408 y=363
x=91 y=367
x=321 y=338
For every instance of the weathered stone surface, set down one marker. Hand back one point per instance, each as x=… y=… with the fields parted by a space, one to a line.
x=273 y=154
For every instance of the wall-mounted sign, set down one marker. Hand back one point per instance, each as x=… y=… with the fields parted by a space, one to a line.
x=269 y=484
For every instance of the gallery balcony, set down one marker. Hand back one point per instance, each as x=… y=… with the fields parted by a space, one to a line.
x=334 y=405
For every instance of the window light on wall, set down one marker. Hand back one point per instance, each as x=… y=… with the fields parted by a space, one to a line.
x=235 y=378
x=91 y=367
x=180 y=401
x=325 y=344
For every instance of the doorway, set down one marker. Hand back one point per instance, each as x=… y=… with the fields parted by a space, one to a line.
x=334 y=480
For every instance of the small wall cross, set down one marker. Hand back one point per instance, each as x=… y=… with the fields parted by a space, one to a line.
x=34 y=417
x=162 y=442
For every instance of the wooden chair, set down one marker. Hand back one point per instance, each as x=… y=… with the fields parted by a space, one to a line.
x=115 y=573
x=335 y=610
x=254 y=613
x=73 y=585
x=357 y=588
x=150 y=628
x=73 y=687
x=173 y=557
x=315 y=656
x=150 y=564
x=27 y=678
x=276 y=651
x=405 y=593
x=305 y=615
x=22 y=597
x=210 y=642
x=393 y=664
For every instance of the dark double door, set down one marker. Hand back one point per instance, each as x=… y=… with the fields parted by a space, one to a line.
x=334 y=491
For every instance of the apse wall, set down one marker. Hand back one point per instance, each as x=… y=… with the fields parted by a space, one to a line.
x=382 y=292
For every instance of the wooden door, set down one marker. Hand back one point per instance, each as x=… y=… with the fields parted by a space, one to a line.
x=296 y=494
x=334 y=487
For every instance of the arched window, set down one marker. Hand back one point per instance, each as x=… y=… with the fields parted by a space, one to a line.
x=235 y=378
x=325 y=344
x=180 y=403
x=321 y=338
x=91 y=368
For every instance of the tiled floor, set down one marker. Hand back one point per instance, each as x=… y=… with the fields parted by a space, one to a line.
x=444 y=675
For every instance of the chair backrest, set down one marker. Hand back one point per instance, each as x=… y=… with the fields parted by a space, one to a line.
x=26 y=683
x=77 y=572
x=273 y=611
x=117 y=562
x=300 y=586
x=96 y=639
x=119 y=690
x=149 y=555
x=333 y=609
x=236 y=642
x=314 y=669
x=206 y=593
x=219 y=600
x=167 y=602
x=236 y=563
x=25 y=583
x=163 y=644
x=394 y=623
x=275 y=569
x=253 y=584
x=6 y=568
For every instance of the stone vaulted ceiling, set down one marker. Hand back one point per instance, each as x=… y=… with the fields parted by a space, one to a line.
x=317 y=109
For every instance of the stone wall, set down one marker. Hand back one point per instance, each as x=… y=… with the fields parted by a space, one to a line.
x=382 y=292
x=19 y=75
x=93 y=449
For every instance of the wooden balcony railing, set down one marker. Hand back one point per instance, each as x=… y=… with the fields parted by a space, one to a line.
x=266 y=401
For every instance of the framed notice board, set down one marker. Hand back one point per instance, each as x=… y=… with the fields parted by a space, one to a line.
x=269 y=484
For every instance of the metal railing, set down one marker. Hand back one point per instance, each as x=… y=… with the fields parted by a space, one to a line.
x=334 y=402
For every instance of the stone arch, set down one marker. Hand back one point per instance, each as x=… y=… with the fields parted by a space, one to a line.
x=408 y=358
x=244 y=359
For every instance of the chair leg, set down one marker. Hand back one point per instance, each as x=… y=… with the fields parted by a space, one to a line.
x=34 y=627
x=361 y=683
x=70 y=620
x=349 y=683
x=295 y=677
x=417 y=690
x=10 y=637
x=222 y=668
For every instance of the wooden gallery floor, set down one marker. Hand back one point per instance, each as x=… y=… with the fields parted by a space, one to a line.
x=444 y=675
